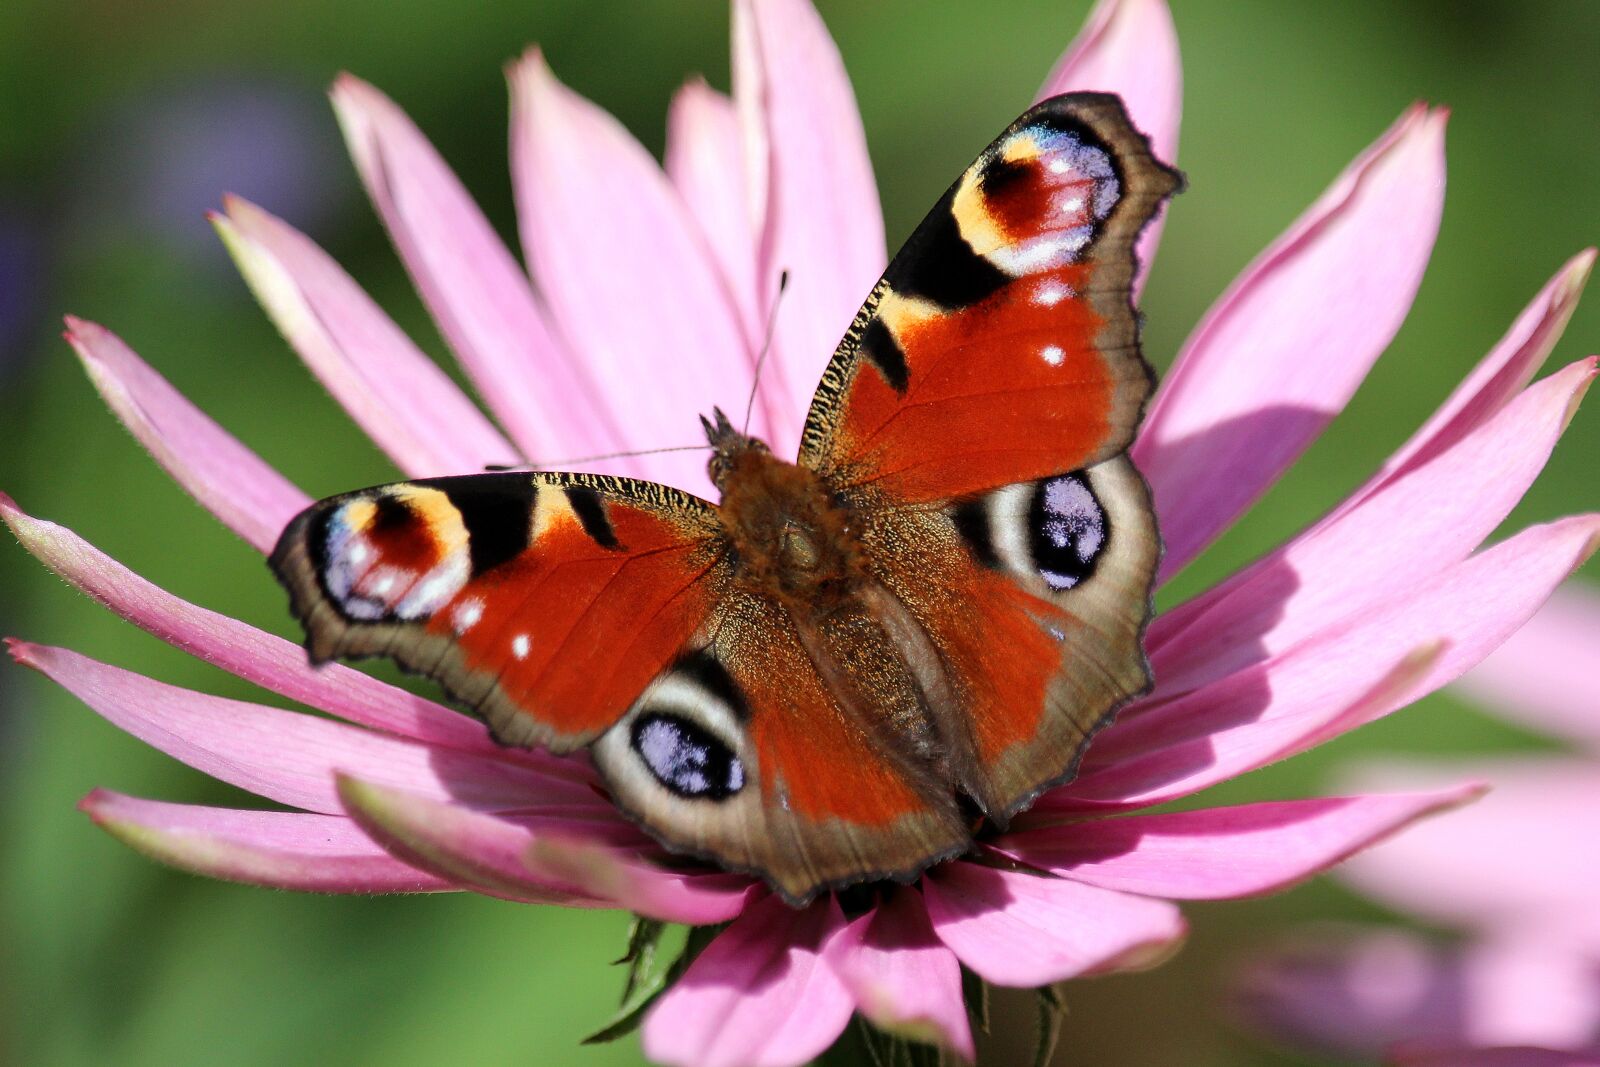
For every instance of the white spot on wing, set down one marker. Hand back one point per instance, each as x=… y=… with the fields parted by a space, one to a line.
x=466 y=615
x=1051 y=294
x=520 y=646
x=1053 y=355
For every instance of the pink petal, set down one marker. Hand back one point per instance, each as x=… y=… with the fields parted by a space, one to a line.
x=1282 y=351
x=1504 y=372
x=1480 y=399
x=1129 y=47
x=638 y=885
x=809 y=170
x=1221 y=853
x=1018 y=929
x=1335 y=680
x=760 y=995
x=473 y=287
x=280 y=849
x=705 y=162
x=281 y=755
x=461 y=846
x=399 y=396
x=1521 y=857
x=1399 y=536
x=1229 y=606
x=266 y=660
x=904 y=980
x=1531 y=992
x=1522 y=1056
x=1352 y=992
x=228 y=479
x=1544 y=676
x=630 y=280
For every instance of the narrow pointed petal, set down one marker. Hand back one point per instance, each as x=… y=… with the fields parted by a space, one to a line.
x=1280 y=354
x=1544 y=676
x=1336 y=680
x=760 y=995
x=1155 y=766
x=1018 y=929
x=283 y=755
x=461 y=846
x=807 y=154
x=396 y=394
x=637 y=885
x=262 y=658
x=1403 y=534
x=705 y=162
x=278 y=849
x=229 y=480
x=903 y=978
x=1498 y=379
x=1500 y=376
x=474 y=289
x=630 y=280
x=1222 y=853
x=1129 y=47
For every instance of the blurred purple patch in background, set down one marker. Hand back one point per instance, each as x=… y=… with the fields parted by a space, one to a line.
x=153 y=167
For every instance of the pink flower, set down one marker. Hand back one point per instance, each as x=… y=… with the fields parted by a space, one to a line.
x=1383 y=600
x=1517 y=873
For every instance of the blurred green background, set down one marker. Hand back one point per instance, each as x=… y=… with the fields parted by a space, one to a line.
x=123 y=121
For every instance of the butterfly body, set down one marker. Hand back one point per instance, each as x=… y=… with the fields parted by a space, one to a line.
x=826 y=675
x=790 y=536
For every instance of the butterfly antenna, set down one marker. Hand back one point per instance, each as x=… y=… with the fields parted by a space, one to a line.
x=501 y=468
x=766 y=346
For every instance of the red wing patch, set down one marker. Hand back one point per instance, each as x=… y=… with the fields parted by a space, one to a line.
x=545 y=602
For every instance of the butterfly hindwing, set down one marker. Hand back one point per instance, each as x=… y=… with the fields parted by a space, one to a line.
x=1001 y=345
x=746 y=753
x=545 y=602
x=1035 y=597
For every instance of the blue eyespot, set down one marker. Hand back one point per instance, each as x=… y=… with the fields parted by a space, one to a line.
x=1067 y=530
x=687 y=758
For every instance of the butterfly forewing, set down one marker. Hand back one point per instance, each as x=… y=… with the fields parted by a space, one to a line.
x=545 y=602
x=1001 y=344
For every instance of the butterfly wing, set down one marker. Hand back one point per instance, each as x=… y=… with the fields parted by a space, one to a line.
x=544 y=602
x=1001 y=345
x=744 y=753
x=976 y=416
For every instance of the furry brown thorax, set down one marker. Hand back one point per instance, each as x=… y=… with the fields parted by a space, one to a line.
x=794 y=540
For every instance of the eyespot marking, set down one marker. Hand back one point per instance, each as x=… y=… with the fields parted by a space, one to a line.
x=685 y=758
x=1067 y=530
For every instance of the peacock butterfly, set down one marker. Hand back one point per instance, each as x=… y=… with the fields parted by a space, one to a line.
x=824 y=677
